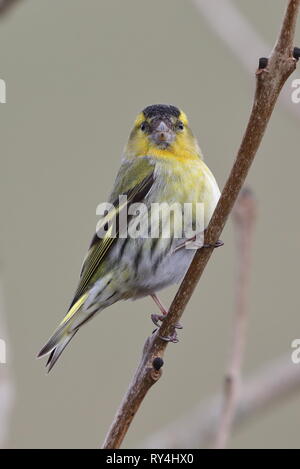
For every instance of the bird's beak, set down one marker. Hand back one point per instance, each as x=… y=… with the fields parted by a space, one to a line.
x=162 y=135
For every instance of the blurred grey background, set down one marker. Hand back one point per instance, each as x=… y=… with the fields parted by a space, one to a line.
x=77 y=73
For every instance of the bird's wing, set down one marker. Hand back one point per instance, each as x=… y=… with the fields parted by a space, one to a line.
x=134 y=180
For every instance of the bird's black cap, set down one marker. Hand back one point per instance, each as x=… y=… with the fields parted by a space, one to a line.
x=161 y=110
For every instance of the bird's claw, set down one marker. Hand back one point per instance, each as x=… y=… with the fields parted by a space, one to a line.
x=171 y=338
x=156 y=318
x=178 y=325
x=192 y=243
x=160 y=317
x=217 y=244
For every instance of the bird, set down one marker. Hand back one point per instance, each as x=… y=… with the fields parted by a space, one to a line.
x=161 y=164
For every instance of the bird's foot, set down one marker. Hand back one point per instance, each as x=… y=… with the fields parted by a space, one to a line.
x=171 y=338
x=159 y=318
x=156 y=318
x=190 y=243
x=194 y=243
x=215 y=245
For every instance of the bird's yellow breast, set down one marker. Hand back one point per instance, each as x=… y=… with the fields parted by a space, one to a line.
x=188 y=181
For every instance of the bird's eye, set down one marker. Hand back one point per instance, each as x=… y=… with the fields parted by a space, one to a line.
x=180 y=125
x=144 y=126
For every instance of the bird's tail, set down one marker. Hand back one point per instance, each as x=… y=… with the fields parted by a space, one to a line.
x=62 y=336
x=58 y=350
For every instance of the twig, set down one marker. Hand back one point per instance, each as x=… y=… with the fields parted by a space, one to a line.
x=244 y=215
x=269 y=84
x=271 y=385
x=236 y=31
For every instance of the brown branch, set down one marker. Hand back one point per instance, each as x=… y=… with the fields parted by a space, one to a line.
x=226 y=20
x=244 y=215
x=272 y=385
x=268 y=87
